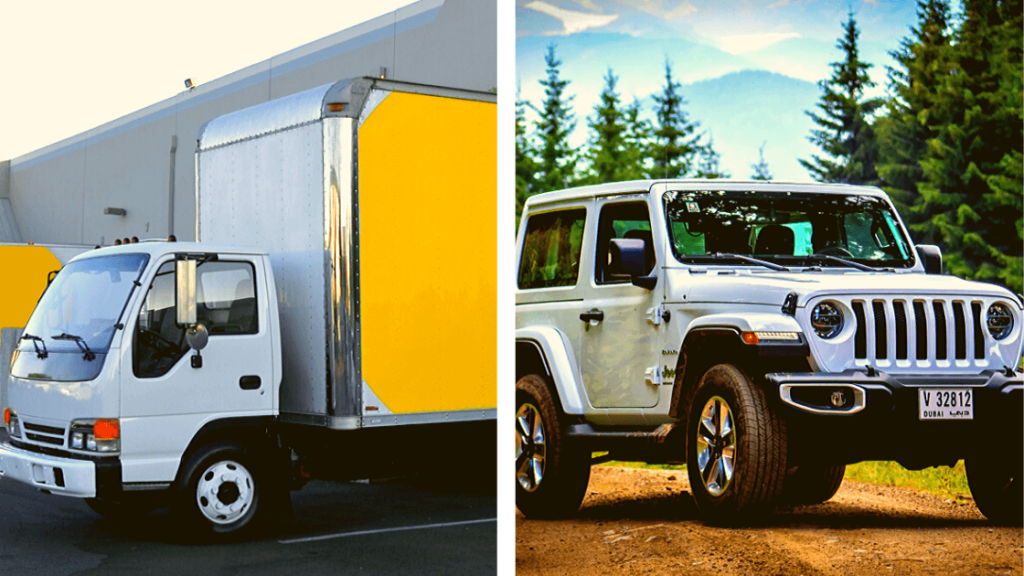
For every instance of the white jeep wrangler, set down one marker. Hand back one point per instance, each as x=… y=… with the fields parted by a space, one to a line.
x=765 y=334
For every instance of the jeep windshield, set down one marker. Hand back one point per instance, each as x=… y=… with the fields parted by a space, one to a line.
x=75 y=319
x=787 y=228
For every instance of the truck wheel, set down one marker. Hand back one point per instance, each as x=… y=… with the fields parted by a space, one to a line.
x=119 y=510
x=996 y=488
x=736 y=449
x=812 y=484
x=219 y=490
x=551 y=479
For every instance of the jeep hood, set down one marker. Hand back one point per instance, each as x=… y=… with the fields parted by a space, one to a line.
x=771 y=288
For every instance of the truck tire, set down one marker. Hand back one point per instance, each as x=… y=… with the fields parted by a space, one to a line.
x=120 y=510
x=551 y=478
x=736 y=448
x=996 y=487
x=812 y=484
x=219 y=490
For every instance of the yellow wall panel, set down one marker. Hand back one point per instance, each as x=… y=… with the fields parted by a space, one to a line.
x=22 y=281
x=428 y=254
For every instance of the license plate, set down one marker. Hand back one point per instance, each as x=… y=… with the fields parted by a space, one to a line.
x=945 y=403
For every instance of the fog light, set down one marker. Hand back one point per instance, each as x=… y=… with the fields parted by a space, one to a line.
x=77 y=440
x=838 y=398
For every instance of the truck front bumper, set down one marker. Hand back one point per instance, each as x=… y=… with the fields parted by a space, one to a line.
x=53 y=474
x=879 y=416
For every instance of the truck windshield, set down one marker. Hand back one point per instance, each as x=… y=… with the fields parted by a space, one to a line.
x=789 y=228
x=82 y=304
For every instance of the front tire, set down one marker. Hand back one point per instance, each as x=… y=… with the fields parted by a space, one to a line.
x=220 y=490
x=736 y=448
x=996 y=487
x=551 y=477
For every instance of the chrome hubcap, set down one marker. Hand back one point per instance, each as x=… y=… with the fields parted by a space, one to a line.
x=225 y=492
x=530 y=447
x=716 y=446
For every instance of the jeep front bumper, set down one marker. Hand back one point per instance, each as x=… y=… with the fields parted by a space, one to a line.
x=854 y=416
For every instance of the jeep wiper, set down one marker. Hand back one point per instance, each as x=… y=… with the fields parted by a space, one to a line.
x=845 y=262
x=89 y=354
x=742 y=257
x=36 y=341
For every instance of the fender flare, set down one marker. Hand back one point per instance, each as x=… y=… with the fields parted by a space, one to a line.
x=556 y=352
x=758 y=322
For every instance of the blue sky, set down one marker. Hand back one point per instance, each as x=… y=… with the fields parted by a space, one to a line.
x=704 y=39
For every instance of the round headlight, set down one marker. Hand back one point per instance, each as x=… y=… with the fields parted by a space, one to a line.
x=1000 y=321
x=827 y=320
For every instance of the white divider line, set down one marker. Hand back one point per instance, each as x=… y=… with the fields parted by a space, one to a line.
x=383 y=530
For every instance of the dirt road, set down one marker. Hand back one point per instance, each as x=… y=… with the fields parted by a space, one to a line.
x=645 y=522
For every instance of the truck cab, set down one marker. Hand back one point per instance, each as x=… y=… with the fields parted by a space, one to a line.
x=109 y=395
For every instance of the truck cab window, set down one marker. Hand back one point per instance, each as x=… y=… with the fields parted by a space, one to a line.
x=158 y=342
x=226 y=298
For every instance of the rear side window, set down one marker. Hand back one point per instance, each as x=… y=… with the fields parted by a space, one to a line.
x=551 y=249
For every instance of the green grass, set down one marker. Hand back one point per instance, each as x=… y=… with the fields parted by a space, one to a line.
x=944 y=481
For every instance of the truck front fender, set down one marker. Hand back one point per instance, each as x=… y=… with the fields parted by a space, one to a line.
x=545 y=348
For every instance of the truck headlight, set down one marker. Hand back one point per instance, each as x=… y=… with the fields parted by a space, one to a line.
x=827 y=320
x=96 y=435
x=12 y=423
x=1000 y=320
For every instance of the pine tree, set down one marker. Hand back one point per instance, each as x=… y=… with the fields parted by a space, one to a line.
x=761 y=168
x=607 y=142
x=708 y=166
x=676 y=146
x=903 y=134
x=973 y=176
x=636 y=144
x=846 y=135
x=557 y=161
x=526 y=165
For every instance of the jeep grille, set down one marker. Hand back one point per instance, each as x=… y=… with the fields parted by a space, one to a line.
x=885 y=330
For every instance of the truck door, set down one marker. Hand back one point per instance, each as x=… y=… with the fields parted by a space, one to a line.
x=619 y=344
x=166 y=395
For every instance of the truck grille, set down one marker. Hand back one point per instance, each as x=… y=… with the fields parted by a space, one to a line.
x=919 y=329
x=44 y=434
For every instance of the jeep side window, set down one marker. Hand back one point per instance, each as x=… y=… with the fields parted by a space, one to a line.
x=625 y=220
x=551 y=249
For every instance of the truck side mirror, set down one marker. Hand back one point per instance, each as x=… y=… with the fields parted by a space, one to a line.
x=185 y=300
x=931 y=258
x=628 y=257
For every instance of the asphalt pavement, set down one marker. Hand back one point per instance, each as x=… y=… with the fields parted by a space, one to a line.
x=403 y=526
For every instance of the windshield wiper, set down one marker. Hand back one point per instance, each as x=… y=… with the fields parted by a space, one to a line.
x=89 y=354
x=742 y=257
x=846 y=262
x=36 y=340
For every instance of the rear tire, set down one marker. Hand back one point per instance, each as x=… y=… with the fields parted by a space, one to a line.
x=736 y=448
x=812 y=484
x=551 y=477
x=996 y=487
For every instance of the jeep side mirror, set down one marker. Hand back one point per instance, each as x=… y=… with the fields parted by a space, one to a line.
x=931 y=258
x=628 y=257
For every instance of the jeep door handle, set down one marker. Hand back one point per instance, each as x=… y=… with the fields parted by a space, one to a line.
x=249 y=382
x=592 y=316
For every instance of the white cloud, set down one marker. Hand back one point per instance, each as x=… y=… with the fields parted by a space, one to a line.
x=778 y=4
x=588 y=4
x=572 y=21
x=751 y=42
x=872 y=2
x=680 y=12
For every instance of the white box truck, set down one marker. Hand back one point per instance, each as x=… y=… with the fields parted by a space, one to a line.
x=335 y=319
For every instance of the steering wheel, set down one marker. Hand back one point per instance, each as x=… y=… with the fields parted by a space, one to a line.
x=836 y=251
x=156 y=340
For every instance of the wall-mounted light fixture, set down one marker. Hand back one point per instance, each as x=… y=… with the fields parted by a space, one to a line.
x=190 y=84
x=115 y=211
x=383 y=72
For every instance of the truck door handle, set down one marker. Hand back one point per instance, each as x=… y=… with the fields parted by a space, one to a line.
x=592 y=316
x=249 y=382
